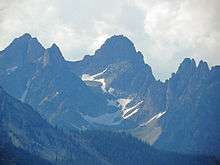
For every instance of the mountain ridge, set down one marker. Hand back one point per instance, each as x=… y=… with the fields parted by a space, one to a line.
x=115 y=90
x=24 y=133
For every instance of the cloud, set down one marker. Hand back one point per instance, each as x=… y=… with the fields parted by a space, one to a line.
x=165 y=31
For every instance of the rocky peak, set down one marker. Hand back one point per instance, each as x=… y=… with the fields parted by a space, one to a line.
x=26 y=36
x=203 y=66
x=179 y=81
x=117 y=46
x=188 y=65
x=186 y=69
x=24 y=40
x=23 y=50
x=202 y=71
x=53 y=56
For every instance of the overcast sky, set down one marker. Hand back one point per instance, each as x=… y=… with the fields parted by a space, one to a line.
x=165 y=31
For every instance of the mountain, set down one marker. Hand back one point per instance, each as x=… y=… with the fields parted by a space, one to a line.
x=52 y=85
x=119 y=65
x=124 y=67
x=115 y=90
x=179 y=115
x=24 y=129
x=192 y=123
x=118 y=72
x=26 y=138
x=41 y=78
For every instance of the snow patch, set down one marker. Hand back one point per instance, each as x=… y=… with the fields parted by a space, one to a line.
x=24 y=95
x=124 y=102
x=87 y=77
x=102 y=81
x=131 y=111
x=157 y=116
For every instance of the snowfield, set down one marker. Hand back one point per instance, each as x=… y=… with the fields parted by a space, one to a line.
x=155 y=117
x=87 y=77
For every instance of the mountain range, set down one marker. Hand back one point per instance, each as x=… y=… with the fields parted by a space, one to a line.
x=112 y=90
x=26 y=138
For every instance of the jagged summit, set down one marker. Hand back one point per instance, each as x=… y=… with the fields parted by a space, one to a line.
x=53 y=56
x=54 y=49
x=28 y=50
x=26 y=35
x=117 y=46
x=54 y=46
x=203 y=66
x=21 y=51
x=118 y=41
x=187 y=66
x=24 y=41
x=188 y=62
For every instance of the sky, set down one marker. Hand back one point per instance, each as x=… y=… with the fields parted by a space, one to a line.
x=165 y=31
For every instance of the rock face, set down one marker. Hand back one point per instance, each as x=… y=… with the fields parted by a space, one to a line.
x=26 y=138
x=41 y=78
x=125 y=70
x=192 y=123
x=124 y=79
x=114 y=89
x=129 y=85
x=174 y=115
x=23 y=128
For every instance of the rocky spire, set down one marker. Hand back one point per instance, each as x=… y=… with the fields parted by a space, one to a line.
x=53 y=56
x=23 y=50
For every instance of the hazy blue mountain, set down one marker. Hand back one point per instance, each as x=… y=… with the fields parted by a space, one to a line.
x=26 y=138
x=18 y=63
x=183 y=103
x=115 y=90
x=119 y=72
x=23 y=128
x=192 y=122
x=125 y=67
x=41 y=78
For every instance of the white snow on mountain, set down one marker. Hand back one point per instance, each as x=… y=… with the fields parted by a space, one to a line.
x=124 y=102
x=24 y=95
x=87 y=77
x=155 y=117
x=131 y=111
